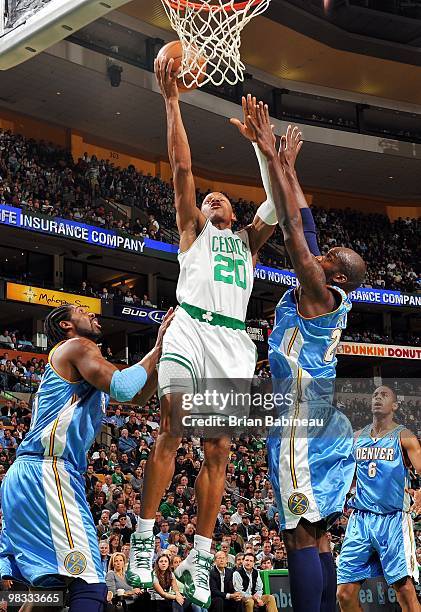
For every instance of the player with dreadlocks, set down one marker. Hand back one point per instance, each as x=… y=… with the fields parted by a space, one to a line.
x=53 y=543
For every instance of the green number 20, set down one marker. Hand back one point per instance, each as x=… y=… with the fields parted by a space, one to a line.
x=229 y=269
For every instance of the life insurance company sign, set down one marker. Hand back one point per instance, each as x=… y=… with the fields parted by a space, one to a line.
x=139 y=314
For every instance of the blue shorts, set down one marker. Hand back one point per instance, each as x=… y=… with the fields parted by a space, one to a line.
x=311 y=471
x=378 y=544
x=48 y=531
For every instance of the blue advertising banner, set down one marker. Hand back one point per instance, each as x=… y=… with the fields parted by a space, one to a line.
x=385 y=297
x=111 y=239
x=139 y=314
x=55 y=226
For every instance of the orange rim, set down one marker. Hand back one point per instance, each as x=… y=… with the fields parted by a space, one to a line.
x=183 y=4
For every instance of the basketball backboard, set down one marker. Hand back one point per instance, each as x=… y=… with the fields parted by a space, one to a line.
x=28 y=27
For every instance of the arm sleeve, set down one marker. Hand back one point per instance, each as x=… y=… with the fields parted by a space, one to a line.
x=266 y=211
x=310 y=231
x=125 y=384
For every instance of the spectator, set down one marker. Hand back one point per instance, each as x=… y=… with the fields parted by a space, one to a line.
x=225 y=548
x=125 y=443
x=266 y=563
x=237 y=517
x=280 y=559
x=164 y=534
x=104 y=527
x=118 y=476
x=90 y=478
x=166 y=593
x=146 y=301
x=114 y=542
x=104 y=549
x=168 y=509
x=239 y=558
x=248 y=583
x=153 y=227
x=5 y=339
x=137 y=480
x=116 y=581
x=117 y=419
x=9 y=442
x=223 y=596
x=125 y=531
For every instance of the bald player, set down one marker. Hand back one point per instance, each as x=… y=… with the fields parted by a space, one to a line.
x=310 y=465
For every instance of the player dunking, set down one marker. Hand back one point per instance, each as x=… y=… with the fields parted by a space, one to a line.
x=379 y=538
x=207 y=341
x=49 y=537
x=310 y=472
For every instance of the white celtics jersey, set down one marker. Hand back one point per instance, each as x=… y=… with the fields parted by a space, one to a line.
x=216 y=272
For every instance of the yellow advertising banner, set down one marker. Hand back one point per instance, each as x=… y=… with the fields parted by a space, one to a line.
x=50 y=297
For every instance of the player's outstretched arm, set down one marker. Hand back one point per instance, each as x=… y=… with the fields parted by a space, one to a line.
x=190 y=220
x=308 y=270
x=137 y=381
x=265 y=221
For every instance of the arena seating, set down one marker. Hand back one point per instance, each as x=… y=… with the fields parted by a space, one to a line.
x=44 y=179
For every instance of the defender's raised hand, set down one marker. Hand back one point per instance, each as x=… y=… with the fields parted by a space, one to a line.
x=166 y=322
x=167 y=79
x=289 y=147
x=263 y=130
x=245 y=128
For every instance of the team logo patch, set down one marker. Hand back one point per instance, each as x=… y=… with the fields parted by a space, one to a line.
x=75 y=563
x=298 y=503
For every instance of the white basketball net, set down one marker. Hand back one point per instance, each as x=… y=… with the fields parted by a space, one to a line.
x=210 y=30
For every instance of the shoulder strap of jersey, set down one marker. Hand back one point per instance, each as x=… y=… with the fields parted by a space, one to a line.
x=398 y=430
x=364 y=433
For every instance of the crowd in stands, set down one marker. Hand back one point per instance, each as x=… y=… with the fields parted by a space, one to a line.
x=246 y=533
x=44 y=179
x=247 y=528
x=20 y=375
x=406 y=339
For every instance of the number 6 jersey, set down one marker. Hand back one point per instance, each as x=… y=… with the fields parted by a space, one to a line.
x=382 y=476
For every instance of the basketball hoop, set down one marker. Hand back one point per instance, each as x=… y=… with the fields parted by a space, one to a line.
x=210 y=30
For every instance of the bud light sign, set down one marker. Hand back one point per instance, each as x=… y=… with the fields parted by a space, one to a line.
x=139 y=314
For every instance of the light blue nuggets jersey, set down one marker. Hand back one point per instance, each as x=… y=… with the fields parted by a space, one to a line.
x=306 y=343
x=310 y=452
x=382 y=475
x=66 y=417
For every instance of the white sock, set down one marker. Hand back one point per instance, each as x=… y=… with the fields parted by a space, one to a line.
x=145 y=526
x=202 y=543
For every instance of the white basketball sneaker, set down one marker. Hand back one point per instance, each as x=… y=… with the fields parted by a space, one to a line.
x=193 y=572
x=139 y=570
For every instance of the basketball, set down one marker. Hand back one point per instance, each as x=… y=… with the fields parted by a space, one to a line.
x=174 y=50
